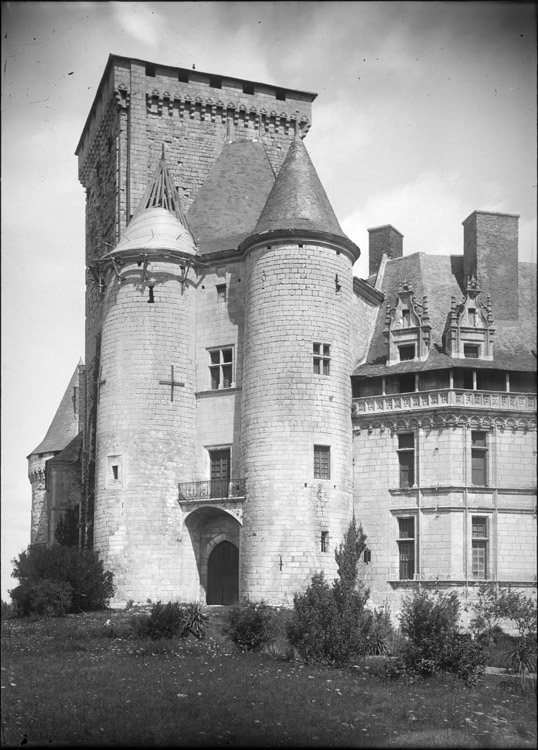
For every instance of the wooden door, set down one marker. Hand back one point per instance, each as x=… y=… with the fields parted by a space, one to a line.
x=223 y=574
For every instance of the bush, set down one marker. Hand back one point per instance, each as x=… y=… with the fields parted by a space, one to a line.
x=435 y=642
x=380 y=633
x=43 y=598
x=330 y=624
x=171 y=620
x=91 y=587
x=251 y=625
x=8 y=610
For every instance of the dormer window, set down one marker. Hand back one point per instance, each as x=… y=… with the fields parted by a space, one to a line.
x=471 y=351
x=407 y=352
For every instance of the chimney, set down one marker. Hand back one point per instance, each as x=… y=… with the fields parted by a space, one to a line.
x=490 y=254
x=383 y=240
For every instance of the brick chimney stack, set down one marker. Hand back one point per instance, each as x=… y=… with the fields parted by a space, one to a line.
x=490 y=244
x=383 y=240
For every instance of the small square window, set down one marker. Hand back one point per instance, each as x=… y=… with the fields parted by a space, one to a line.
x=215 y=83
x=150 y=70
x=248 y=88
x=280 y=94
x=407 y=352
x=221 y=292
x=183 y=76
x=471 y=351
x=322 y=462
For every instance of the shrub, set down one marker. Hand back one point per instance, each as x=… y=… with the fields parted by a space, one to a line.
x=164 y=621
x=44 y=598
x=8 y=610
x=81 y=569
x=251 y=625
x=330 y=624
x=380 y=634
x=435 y=642
x=171 y=620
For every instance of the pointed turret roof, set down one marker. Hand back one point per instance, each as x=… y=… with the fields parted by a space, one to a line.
x=64 y=426
x=159 y=224
x=298 y=199
x=298 y=203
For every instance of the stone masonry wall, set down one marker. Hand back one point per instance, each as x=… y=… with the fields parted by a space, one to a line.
x=443 y=503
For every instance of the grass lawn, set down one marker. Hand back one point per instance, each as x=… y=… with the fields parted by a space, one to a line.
x=67 y=681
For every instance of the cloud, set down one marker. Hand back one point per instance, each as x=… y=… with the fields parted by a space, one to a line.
x=141 y=21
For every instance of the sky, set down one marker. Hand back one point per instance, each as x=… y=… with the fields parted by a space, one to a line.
x=426 y=112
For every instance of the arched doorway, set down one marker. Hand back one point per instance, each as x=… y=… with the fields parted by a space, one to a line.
x=223 y=574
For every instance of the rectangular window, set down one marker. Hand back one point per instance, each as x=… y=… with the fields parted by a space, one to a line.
x=463 y=379
x=322 y=359
x=215 y=83
x=220 y=472
x=183 y=76
x=322 y=462
x=479 y=458
x=280 y=94
x=480 y=546
x=221 y=292
x=406 y=548
x=248 y=88
x=407 y=352
x=221 y=368
x=471 y=351
x=150 y=70
x=406 y=459
x=324 y=541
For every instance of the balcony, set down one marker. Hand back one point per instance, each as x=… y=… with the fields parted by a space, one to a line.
x=211 y=490
x=497 y=400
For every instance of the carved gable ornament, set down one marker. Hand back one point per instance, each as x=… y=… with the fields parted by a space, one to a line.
x=469 y=331
x=407 y=328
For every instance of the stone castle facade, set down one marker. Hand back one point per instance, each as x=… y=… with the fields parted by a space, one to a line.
x=243 y=394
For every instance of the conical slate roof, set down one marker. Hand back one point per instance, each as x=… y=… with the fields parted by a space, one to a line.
x=64 y=426
x=159 y=224
x=298 y=199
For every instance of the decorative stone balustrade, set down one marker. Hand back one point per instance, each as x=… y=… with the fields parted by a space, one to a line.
x=210 y=490
x=440 y=398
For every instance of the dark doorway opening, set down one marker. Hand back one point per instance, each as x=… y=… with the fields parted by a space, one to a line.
x=223 y=574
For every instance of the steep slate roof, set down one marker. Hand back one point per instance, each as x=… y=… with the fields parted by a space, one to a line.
x=228 y=205
x=64 y=426
x=298 y=199
x=440 y=277
x=70 y=454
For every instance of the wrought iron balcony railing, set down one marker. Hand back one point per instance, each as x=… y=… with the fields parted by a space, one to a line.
x=444 y=397
x=211 y=489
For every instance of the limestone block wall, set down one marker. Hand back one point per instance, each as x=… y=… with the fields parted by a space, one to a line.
x=443 y=503
x=39 y=518
x=145 y=430
x=287 y=409
x=219 y=324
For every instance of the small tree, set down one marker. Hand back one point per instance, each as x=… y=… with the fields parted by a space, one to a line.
x=330 y=624
x=85 y=583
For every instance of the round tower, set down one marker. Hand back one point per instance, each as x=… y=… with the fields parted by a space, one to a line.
x=146 y=405
x=296 y=390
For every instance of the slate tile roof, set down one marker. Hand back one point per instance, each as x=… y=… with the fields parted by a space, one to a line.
x=298 y=199
x=229 y=203
x=440 y=277
x=64 y=426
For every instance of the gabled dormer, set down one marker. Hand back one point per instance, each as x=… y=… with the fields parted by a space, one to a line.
x=407 y=328
x=469 y=331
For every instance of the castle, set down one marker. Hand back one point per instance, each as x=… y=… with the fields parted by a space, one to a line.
x=243 y=394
